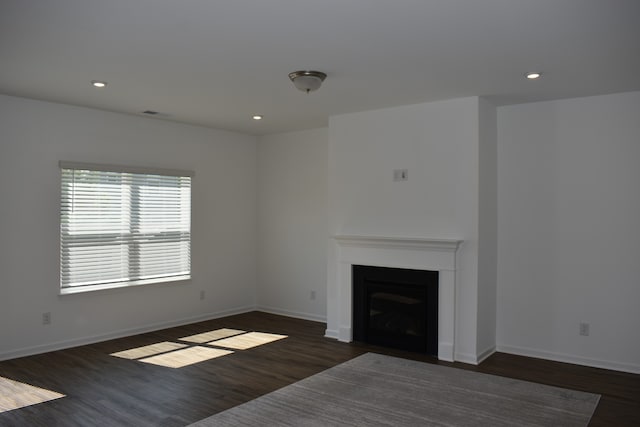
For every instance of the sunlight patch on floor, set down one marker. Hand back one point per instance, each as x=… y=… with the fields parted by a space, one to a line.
x=212 y=335
x=185 y=357
x=14 y=395
x=198 y=348
x=149 y=350
x=248 y=340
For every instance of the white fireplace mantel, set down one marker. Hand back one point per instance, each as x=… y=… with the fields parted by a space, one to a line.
x=395 y=252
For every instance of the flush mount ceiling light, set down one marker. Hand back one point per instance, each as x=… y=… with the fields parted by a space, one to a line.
x=307 y=81
x=533 y=76
x=257 y=117
x=98 y=83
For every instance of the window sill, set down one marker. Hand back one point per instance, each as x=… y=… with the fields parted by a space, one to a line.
x=93 y=288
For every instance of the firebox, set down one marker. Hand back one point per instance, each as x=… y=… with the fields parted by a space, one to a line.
x=396 y=307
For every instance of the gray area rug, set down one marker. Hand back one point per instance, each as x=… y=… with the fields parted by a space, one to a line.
x=377 y=390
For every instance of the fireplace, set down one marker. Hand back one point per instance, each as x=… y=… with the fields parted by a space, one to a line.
x=396 y=307
x=418 y=253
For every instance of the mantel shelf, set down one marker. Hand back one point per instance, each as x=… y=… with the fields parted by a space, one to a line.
x=399 y=242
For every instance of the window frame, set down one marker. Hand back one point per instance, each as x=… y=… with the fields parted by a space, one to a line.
x=119 y=169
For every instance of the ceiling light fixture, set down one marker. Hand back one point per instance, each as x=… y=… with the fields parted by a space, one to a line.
x=97 y=83
x=533 y=76
x=257 y=117
x=307 y=81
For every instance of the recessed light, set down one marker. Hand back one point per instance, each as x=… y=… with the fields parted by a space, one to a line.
x=533 y=76
x=257 y=117
x=97 y=83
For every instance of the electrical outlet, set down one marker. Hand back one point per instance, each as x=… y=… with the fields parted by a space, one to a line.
x=202 y=295
x=400 y=174
x=313 y=295
x=46 y=318
x=584 y=329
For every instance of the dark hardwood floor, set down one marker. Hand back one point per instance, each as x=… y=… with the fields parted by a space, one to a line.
x=102 y=390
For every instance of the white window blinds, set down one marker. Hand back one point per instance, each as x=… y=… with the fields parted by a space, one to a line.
x=122 y=226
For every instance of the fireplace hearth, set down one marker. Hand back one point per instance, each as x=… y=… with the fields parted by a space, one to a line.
x=396 y=307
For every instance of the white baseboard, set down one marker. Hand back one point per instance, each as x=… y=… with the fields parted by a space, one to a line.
x=567 y=358
x=61 y=345
x=294 y=314
x=474 y=359
x=485 y=354
x=331 y=333
x=469 y=358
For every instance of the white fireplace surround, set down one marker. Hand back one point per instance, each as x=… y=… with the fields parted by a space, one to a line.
x=395 y=252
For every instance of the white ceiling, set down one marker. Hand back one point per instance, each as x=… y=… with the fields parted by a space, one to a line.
x=218 y=62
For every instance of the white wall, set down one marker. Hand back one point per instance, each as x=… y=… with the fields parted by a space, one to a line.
x=438 y=143
x=568 y=230
x=487 y=229
x=34 y=136
x=292 y=223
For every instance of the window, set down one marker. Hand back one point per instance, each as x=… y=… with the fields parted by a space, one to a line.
x=123 y=226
